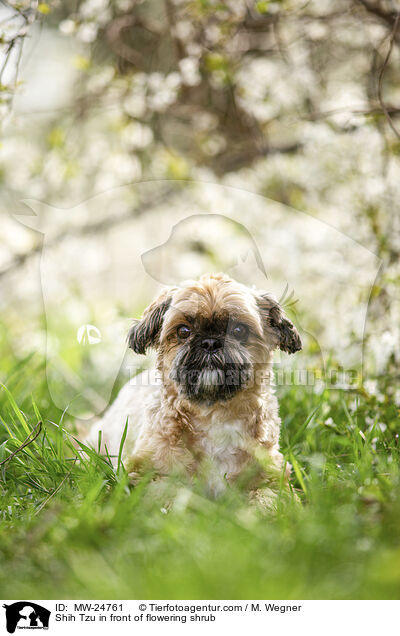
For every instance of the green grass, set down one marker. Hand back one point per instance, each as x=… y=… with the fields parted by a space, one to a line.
x=78 y=530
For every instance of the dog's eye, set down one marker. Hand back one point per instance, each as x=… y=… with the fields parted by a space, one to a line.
x=240 y=331
x=183 y=332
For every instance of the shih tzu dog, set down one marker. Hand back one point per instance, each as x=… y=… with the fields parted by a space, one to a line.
x=214 y=413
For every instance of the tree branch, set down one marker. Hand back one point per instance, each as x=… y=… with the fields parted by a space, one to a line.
x=380 y=79
x=389 y=17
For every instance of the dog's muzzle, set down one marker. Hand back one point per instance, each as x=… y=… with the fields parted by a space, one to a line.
x=210 y=372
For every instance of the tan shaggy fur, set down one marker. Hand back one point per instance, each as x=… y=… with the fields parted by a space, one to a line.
x=218 y=440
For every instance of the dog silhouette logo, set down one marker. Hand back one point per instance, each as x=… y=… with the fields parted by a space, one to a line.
x=26 y=615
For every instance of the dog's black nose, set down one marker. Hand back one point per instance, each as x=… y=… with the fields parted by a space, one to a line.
x=211 y=344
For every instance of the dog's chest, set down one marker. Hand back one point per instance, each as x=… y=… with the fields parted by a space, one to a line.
x=223 y=447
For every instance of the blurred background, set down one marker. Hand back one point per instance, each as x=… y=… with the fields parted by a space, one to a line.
x=146 y=142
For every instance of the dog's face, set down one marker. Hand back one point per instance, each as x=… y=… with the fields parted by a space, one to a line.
x=212 y=335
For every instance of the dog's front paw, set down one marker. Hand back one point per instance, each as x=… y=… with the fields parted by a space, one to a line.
x=264 y=499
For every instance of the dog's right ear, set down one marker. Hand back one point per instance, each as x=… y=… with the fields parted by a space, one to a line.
x=144 y=333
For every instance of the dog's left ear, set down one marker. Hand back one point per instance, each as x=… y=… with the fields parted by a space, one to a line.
x=277 y=325
x=145 y=332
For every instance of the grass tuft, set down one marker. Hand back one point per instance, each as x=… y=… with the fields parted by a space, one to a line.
x=73 y=527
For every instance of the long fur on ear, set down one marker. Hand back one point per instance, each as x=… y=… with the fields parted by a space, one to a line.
x=276 y=323
x=144 y=332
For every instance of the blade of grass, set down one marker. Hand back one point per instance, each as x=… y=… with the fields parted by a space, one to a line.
x=15 y=408
x=297 y=470
x=121 y=446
